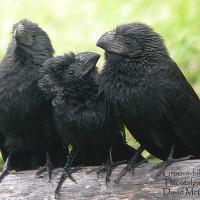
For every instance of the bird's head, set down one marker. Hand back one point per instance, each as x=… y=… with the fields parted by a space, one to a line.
x=80 y=68
x=69 y=72
x=30 y=36
x=130 y=41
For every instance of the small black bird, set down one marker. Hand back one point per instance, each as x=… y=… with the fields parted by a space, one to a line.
x=25 y=115
x=81 y=115
x=150 y=93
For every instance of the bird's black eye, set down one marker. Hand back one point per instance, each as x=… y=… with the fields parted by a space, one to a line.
x=34 y=36
x=128 y=42
x=80 y=63
x=71 y=72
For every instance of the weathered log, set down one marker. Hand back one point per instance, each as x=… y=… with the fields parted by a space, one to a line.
x=180 y=180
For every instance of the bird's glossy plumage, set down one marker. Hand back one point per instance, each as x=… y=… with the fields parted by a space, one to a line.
x=149 y=91
x=25 y=115
x=81 y=115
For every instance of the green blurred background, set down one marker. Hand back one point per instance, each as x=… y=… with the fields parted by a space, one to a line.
x=76 y=25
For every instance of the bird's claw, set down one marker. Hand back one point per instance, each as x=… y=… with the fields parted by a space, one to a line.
x=40 y=171
x=47 y=168
x=123 y=172
x=162 y=166
x=129 y=168
x=108 y=167
x=66 y=174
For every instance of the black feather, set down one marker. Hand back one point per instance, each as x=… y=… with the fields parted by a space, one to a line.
x=149 y=92
x=80 y=113
x=25 y=115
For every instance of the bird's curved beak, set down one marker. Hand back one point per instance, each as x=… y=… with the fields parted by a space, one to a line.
x=88 y=60
x=87 y=57
x=18 y=31
x=108 y=42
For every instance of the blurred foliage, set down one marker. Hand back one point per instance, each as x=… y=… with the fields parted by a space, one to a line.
x=76 y=25
x=1 y=162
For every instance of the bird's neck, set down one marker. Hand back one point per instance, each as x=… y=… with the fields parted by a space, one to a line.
x=80 y=93
x=28 y=55
x=118 y=81
x=127 y=66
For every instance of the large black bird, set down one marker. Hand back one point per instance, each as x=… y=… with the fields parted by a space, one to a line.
x=82 y=118
x=28 y=134
x=150 y=93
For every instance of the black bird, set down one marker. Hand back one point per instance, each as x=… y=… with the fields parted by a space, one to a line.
x=82 y=118
x=25 y=115
x=150 y=93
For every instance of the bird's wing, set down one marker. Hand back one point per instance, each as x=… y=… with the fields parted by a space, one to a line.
x=179 y=104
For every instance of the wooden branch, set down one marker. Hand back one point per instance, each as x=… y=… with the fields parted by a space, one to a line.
x=180 y=181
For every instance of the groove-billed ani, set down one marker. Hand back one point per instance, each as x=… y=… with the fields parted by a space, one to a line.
x=82 y=118
x=25 y=116
x=150 y=93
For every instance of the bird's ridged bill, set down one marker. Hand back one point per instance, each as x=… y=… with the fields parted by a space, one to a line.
x=18 y=30
x=90 y=57
x=109 y=42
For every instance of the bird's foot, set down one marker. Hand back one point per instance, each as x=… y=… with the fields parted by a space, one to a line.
x=162 y=166
x=108 y=167
x=47 y=168
x=66 y=174
x=3 y=174
x=129 y=168
x=132 y=163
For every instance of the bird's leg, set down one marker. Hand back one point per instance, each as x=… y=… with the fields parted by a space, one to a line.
x=6 y=167
x=48 y=167
x=132 y=163
x=109 y=166
x=67 y=171
x=162 y=166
